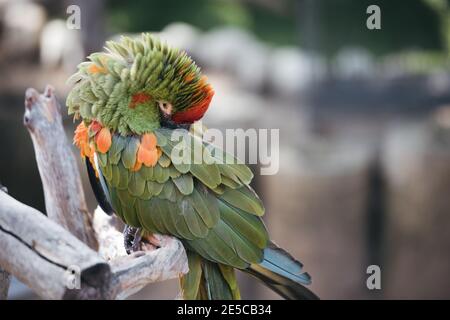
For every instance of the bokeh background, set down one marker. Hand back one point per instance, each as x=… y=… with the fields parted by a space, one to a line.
x=364 y=119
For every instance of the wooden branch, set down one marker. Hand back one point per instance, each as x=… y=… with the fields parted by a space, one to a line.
x=133 y=272
x=56 y=265
x=5 y=280
x=41 y=254
x=54 y=255
x=63 y=191
x=5 y=277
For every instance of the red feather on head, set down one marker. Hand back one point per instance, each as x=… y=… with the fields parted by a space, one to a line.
x=196 y=111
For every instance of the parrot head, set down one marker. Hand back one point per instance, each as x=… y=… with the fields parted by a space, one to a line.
x=137 y=84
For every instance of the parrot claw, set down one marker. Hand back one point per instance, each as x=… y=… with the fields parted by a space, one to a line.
x=132 y=238
x=136 y=246
x=154 y=240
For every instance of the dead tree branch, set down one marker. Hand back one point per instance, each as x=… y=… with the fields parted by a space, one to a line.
x=72 y=254
x=5 y=277
x=42 y=254
x=5 y=280
x=132 y=272
x=63 y=192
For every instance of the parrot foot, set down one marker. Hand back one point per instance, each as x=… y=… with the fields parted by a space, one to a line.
x=153 y=240
x=132 y=238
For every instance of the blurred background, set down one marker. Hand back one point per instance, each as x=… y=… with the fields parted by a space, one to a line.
x=364 y=119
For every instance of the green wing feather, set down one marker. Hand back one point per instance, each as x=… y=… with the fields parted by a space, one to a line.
x=208 y=206
x=206 y=280
x=190 y=283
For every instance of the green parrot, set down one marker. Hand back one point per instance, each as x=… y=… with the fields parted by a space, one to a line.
x=132 y=98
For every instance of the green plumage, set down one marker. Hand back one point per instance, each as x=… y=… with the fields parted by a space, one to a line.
x=182 y=203
x=163 y=199
x=193 y=190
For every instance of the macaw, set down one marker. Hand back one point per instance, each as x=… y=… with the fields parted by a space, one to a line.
x=131 y=99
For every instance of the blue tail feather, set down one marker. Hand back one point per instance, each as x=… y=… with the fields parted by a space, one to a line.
x=283 y=273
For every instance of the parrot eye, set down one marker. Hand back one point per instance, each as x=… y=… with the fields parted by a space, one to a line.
x=165 y=107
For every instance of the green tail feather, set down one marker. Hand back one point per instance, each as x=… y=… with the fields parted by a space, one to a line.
x=207 y=280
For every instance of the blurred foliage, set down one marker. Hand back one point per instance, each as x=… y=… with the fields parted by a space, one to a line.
x=143 y=15
x=405 y=24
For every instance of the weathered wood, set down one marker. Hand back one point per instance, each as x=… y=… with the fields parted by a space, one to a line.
x=53 y=255
x=64 y=196
x=5 y=280
x=5 y=277
x=56 y=265
x=133 y=272
x=42 y=254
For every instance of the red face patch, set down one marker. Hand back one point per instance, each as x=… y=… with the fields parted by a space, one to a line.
x=139 y=98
